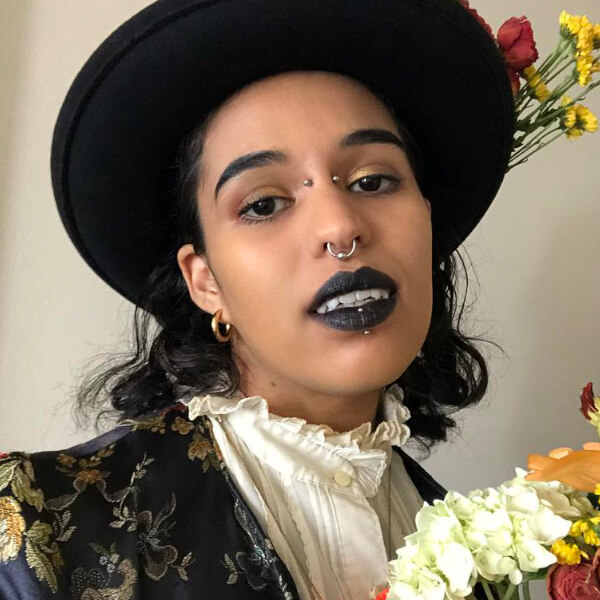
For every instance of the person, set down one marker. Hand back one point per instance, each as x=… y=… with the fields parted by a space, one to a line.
x=282 y=190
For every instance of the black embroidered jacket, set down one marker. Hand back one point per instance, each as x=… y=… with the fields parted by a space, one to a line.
x=147 y=511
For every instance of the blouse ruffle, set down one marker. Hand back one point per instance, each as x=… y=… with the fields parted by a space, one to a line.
x=392 y=431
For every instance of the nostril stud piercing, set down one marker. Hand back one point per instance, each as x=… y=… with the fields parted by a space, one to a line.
x=307 y=182
x=335 y=179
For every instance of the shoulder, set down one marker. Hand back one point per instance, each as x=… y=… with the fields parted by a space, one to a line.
x=71 y=506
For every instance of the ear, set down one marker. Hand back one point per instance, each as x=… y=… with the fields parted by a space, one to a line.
x=201 y=283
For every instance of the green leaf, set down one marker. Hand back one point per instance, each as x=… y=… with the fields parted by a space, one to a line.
x=232 y=578
x=7 y=470
x=39 y=533
x=40 y=563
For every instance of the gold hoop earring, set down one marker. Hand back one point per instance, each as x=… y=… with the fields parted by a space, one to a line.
x=215 y=327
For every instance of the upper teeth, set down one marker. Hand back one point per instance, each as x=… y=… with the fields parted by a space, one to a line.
x=356 y=298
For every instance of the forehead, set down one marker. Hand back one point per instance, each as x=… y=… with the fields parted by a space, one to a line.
x=300 y=111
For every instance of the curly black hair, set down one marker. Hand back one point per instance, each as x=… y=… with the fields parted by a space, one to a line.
x=180 y=355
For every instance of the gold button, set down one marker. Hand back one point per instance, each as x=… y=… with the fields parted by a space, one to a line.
x=342 y=478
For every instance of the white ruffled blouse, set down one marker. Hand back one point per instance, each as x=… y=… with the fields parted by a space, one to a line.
x=320 y=496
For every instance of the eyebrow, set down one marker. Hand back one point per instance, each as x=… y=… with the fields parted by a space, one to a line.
x=263 y=158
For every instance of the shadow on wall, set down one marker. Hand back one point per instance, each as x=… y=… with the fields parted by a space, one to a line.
x=14 y=22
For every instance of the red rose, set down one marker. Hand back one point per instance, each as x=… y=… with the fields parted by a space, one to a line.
x=515 y=39
x=465 y=3
x=570 y=582
x=587 y=400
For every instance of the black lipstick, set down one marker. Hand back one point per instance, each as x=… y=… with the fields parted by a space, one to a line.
x=355 y=317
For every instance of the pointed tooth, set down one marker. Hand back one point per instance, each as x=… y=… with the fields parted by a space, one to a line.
x=331 y=304
x=386 y=293
x=322 y=309
x=362 y=294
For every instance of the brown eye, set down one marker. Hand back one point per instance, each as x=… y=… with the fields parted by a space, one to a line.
x=262 y=208
x=372 y=183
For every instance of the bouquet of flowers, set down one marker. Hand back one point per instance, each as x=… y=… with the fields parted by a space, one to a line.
x=544 y=109
x=542 y=524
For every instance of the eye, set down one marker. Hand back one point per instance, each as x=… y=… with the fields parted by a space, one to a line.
x=372 y=183
x=262 y=207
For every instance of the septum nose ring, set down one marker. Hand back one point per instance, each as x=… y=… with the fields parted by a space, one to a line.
x=341 y=255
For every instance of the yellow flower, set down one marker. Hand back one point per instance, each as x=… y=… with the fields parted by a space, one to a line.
x=12 y=526
x=567 y=554
x=583 y=64
x=591 y=537
x=586 y=118
x=578 y=527
x=585 y=38
x=536 y=83
x=577 y=119
x=584 y=528
x=596 y=34
x=569 y=117
x=568 y=23
x=597 y=492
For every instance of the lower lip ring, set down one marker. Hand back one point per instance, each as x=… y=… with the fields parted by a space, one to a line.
x=349 y=319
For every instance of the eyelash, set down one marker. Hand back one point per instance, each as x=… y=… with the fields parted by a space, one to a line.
x=256 y=221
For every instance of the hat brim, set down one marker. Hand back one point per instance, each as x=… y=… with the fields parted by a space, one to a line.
x=152 y=80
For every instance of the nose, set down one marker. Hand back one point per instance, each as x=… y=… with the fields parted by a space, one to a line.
x=335 y=217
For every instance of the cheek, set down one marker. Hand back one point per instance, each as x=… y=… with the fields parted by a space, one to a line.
x=411 y=243
x=258 y=284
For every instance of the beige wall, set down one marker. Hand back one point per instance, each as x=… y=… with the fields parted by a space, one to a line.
x=535 y=255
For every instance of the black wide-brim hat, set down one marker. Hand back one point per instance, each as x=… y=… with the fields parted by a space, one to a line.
x=155 y=77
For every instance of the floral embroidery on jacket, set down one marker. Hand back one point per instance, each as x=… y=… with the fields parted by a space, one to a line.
x=42 y=555
x=146 y=511
x=98 y=583
x=41 y=539
x=200 y=447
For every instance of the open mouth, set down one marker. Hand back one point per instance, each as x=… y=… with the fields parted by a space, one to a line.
x=355 y=300
x=353 y=288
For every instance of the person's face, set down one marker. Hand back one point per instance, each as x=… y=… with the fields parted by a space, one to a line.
x=269 y=256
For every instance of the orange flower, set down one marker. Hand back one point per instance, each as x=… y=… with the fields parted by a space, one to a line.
x=579 y=469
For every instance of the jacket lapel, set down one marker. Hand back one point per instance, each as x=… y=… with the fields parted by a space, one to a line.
x=426 y=485
x=272 y=568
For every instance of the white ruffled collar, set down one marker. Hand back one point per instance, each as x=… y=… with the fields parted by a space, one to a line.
x=392 y=431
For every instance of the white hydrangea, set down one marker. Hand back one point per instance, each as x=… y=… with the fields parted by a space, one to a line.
x=491 y=534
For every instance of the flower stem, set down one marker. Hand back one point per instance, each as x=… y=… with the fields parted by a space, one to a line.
x=525 y=158
x=510 y=590
x=555 y=75
x=534 y=140
x=551 y=59
x=550 y=116
x=486 y=588
x=525 y=588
